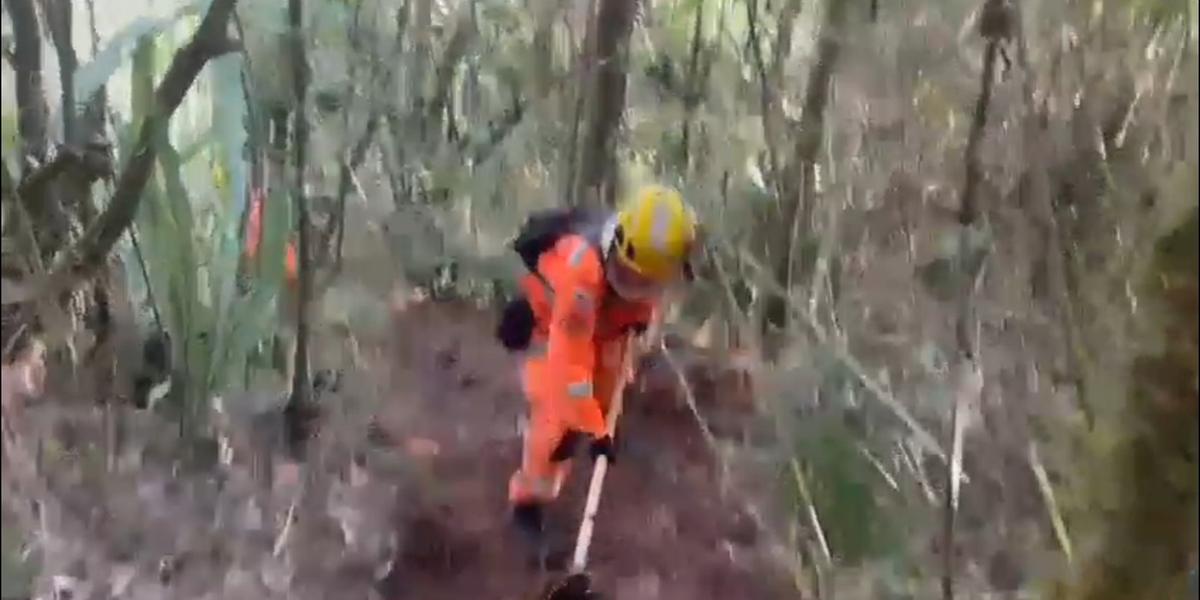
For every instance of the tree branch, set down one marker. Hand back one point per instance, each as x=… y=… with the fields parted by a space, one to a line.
x=81 y=261
x=58 y=14
x=345 y=179
x=27 y=62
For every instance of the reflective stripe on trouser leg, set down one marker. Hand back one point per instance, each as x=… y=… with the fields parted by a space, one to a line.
x=538 y=477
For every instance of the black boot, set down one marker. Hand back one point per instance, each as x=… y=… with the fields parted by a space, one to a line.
x=528 y=518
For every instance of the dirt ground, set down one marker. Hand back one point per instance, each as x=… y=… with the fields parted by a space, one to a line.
x=663 y=531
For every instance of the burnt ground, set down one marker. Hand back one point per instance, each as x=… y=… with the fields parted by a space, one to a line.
x=662 y=531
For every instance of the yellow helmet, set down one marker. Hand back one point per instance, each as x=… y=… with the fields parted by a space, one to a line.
x=655 y=232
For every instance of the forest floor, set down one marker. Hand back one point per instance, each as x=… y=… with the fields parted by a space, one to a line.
x=663 y=530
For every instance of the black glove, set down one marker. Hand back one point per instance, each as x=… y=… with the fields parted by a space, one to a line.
x=604 y=446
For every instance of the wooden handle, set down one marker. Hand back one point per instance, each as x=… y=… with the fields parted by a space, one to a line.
x=584 y=541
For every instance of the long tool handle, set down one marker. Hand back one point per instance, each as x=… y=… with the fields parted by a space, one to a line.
x=584 y=541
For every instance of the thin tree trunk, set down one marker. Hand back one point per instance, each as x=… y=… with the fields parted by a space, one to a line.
x=96 y=110
x=582 y=62
x=543 y=46
x=799 y=184
x=692 y=92
x=440 y=105
x=59 y=17
x=300 y=404
x=357 y=154
x=27 y=62
x=968 y=359
x=597 y=181
x=393 y=160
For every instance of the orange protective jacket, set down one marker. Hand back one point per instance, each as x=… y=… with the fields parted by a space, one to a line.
x=577 y=317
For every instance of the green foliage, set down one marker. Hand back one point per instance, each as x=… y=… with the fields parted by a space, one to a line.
x=857 y=510
x=1160 y=12
x=1150 y=443
x=453 y=200
x=188 y=225
x=91 y=76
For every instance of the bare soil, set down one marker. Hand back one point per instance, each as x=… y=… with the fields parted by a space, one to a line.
x=663 y=531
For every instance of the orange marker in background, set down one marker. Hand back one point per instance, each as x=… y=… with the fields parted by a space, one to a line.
x=254 y=239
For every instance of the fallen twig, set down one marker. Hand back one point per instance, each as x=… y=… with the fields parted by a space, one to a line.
x=690 y=400
x=1056 y=518
x=883 y=472
x=286 y=531
x=814 y=521
x=968 y=387
x=917 y=470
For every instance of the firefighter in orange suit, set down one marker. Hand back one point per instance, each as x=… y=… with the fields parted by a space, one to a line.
x=593 y=278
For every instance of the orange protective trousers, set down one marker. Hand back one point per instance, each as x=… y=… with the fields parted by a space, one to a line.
x=574 y=365
x=540 y=476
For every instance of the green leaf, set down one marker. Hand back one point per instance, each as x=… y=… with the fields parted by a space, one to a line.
x=91 y=76
x=240 y=320
x=187 y=318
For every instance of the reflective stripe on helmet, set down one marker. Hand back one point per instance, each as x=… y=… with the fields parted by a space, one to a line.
x=660 y=226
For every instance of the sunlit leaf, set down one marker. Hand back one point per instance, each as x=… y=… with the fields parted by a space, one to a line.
x=91 y=76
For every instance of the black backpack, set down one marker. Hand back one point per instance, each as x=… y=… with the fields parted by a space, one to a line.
x=540 y=232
